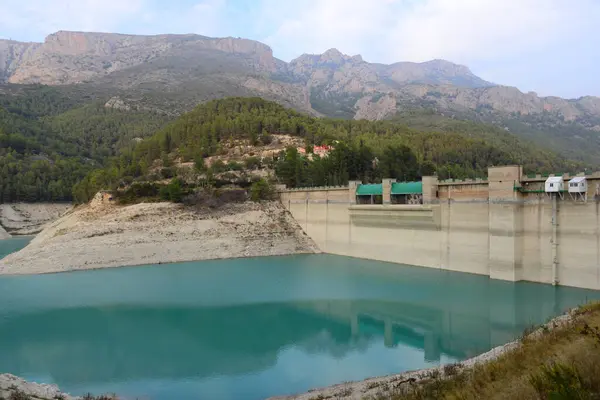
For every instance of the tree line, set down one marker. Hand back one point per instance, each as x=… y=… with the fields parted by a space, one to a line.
x=363 y=150
x=50 y=141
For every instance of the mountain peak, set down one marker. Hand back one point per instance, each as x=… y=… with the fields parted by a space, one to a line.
x=334 y=55
x=333 y=52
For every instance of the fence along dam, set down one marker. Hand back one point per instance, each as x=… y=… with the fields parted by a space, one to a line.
x=510 y=227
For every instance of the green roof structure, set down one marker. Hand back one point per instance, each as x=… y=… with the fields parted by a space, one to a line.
x=369 y=190
x=407 y=188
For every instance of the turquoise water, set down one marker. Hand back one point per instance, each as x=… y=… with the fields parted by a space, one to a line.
x=254 y=328
x=13 y=244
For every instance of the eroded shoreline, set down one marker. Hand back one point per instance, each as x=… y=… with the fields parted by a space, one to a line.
x=382 y=386
x=106 y=236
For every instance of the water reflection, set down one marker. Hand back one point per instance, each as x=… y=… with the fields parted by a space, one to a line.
x=256 y=328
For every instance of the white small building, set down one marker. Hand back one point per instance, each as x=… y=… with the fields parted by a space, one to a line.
x=555 y=184
x=578 y=185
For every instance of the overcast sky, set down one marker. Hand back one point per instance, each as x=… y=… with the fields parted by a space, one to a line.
x=548 y=46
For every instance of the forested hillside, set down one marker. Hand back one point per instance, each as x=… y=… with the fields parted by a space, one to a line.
x=364 y=150
x=171 y=74
x=49 y=141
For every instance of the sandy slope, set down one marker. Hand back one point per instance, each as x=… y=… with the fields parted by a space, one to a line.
x=98 y=236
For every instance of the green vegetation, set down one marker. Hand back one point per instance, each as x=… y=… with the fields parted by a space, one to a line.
x=58 y=145
x=50 y=141
x=576 y=140
x=561 y=363
x=261 y=190
x=362 y=150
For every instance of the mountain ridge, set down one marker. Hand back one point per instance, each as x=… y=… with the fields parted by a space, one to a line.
x=173 y=73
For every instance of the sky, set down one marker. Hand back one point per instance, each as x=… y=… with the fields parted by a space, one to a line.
x=551 y=47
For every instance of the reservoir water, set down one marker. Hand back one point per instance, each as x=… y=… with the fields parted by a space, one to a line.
x=254 y=328
x=13 y=244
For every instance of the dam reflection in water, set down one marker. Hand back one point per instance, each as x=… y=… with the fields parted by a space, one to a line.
x=253 y=328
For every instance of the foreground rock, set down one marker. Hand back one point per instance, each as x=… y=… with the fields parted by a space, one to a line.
x=11 y=385
x=99 y=236
x=29 y=218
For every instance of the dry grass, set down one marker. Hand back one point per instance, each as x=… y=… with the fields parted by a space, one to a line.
x=557 y=364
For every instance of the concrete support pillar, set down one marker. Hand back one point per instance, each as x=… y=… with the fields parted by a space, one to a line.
x=505 y=223
x=352 y=185
x=432 y=347
x=386 y=190
x=430 y=187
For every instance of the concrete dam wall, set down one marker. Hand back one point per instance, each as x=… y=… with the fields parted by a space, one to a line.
x=505 y=227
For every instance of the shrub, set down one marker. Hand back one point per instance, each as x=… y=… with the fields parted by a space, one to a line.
x=234 y=166
x=126 y=180
x=266 y=138
x=199 y=164
x=173 y=191
x=138 y=191
x=261 y=190
x=167 y=173
x=218 y=166
x=560 y=382
x=252 y=163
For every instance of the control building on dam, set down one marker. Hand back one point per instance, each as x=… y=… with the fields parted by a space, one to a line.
x=511 y=226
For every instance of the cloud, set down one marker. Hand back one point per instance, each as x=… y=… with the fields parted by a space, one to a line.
x=533 y=44
x=419 y=30
x=30 y=19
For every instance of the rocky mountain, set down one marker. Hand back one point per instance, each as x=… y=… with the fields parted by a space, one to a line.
x=173 y=73
x=76 y=57
x=166 y=72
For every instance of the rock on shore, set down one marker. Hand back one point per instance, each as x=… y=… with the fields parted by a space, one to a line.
x=106 y=235
x=9 y=384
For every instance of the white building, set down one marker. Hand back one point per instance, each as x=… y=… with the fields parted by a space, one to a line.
x=555 y=184
x=578 y=185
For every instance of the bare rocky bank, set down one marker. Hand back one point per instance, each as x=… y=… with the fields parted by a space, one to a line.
x=3 y=233
x=13 y=387
x=28 y=218
x=101 y=235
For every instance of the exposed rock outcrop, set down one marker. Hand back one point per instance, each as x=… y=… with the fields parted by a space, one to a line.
x=12 y=386
x=29 y=218
x=74 y=57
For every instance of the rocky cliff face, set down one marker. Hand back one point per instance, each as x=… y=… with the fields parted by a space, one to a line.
x=379 y=91
x=12 y=55
x=75 y=57
x=174 y=72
